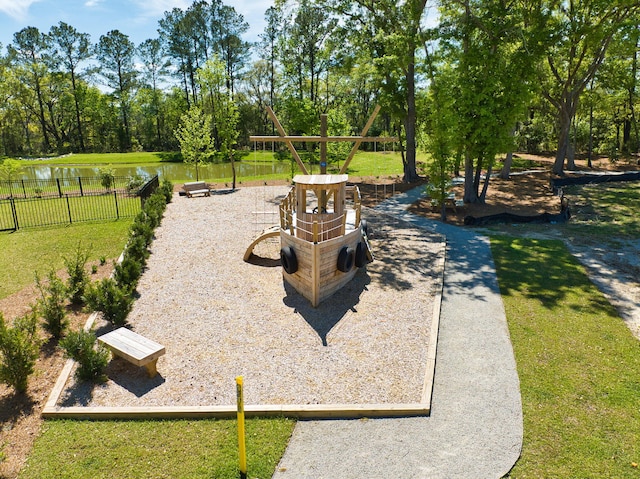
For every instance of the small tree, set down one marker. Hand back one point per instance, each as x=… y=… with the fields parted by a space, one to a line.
x=19 y=350
x=92 y=360
x=112 y=300
x=51 y=305
x=195 y=139
x=107 y=177
x=213 y=78
x=9 y=170
x=78 y=277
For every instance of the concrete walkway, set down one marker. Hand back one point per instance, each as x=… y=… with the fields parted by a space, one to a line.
x=475 y=427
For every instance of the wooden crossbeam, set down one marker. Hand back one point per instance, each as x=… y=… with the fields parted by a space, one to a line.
x=323 y=139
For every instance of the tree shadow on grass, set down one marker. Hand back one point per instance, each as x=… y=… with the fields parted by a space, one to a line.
x=545 y=271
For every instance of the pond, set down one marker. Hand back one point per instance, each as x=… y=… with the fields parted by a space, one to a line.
x=175 y=172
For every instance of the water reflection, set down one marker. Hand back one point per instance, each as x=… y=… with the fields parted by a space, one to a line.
x=170 y=171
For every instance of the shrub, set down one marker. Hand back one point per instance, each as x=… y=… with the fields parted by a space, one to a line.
x=137 y=250
x=135 y=182
x=51 y=305
x=112 y=300
x=107 y=177
x=92 y=359
x=112 y=297
x=142 y=228
x=19 y=350
x=78 y=277
x=167 y=190
x=127 y=273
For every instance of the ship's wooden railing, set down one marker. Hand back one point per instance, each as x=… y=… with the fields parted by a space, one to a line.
x=318 y=227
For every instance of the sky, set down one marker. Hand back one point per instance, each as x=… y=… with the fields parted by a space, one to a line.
x=136 y=18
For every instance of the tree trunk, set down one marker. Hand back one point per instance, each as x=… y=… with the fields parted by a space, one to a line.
x=505 y=172
x=565 y=115
x=77 y=105
x=43 y=122
x=485 y=186
x=233 y=171
x=470 y=193
x=410 y=174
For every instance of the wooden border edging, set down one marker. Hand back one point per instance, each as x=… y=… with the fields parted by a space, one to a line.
x=303 y=411
x=309 y=411
x=427 y=389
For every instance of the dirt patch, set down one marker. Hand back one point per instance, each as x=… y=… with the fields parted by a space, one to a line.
x=20 y=418
x=522 y=194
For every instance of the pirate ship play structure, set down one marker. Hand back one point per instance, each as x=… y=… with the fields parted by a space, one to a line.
x=323 y=238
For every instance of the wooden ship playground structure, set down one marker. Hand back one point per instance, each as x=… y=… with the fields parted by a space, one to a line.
x=323 y=237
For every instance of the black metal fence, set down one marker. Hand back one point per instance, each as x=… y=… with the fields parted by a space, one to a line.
x=31 y=203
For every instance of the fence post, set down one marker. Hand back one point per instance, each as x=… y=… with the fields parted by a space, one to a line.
x=14 y=213
x=115 y=198
x=60 y=189
x=80 y=185
x=68 y=207
x=24 y=191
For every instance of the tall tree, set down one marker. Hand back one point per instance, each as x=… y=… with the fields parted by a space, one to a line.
x=268 y=49
x=231 y=47
x=155 y=68
x=619 y=76
x=389 y=32
x=577 y=34
x=115 y=52
x=177 y=38
x=304 y=53
x=28 y=50
x=70 y=48
x=222 y=108
x=485 y=44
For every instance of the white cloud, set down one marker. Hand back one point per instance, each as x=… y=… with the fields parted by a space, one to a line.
x=92 y=3
x=158 y=7
x=16 y=9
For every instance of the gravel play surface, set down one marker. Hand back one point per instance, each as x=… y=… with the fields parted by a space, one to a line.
x=220 y=317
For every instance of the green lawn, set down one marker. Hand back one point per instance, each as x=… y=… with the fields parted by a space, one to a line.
x=101 y=159
x=605 y=208
x=39 y=249
x=155 y=449
x=579 y=366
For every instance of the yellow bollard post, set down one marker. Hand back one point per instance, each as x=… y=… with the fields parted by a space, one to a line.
x=242 y=452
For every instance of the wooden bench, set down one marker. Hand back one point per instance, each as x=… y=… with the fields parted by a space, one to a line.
x=134 y=348
x=196 y=188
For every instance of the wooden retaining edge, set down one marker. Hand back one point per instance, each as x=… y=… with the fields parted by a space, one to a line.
x=308 y=411
x=427 y=390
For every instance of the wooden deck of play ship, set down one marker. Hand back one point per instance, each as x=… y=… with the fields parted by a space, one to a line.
x=323 y=238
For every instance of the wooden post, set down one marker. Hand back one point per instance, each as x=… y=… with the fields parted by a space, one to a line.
x=242 y=451
x=322 y=201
